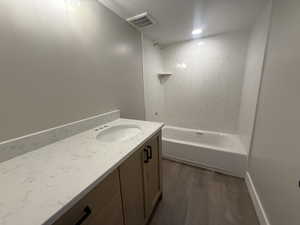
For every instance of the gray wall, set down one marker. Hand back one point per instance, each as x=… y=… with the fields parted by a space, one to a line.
x=275 y=154
x=253 y=74
x=62 y=61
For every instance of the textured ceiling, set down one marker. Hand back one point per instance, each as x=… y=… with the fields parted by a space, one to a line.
x=177 y=18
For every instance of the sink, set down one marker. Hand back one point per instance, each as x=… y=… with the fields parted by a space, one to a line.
x=118 y=133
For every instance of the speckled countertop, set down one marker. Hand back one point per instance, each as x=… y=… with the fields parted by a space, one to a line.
x=38 y=187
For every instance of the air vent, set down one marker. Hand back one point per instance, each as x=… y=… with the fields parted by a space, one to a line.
x=142 y=20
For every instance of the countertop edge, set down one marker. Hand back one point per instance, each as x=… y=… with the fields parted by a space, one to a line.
x=53 y=218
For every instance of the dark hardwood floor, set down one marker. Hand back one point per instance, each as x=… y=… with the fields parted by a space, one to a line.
x=193 y=196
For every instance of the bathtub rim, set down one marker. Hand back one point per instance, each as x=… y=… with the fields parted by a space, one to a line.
x=240 y=150
x=198 y=130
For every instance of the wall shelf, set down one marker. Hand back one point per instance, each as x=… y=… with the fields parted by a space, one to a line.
x=165 y=74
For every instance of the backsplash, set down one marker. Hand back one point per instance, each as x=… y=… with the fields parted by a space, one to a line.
x=15 y=147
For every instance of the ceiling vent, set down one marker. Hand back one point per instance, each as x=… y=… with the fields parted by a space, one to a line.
x=142 y=20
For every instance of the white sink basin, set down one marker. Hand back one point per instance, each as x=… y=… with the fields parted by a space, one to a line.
x=118 y=133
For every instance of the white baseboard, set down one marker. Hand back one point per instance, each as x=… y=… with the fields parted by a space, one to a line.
x=263 y=219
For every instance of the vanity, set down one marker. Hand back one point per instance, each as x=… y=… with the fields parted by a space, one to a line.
x=127 y=196
x=109 y=174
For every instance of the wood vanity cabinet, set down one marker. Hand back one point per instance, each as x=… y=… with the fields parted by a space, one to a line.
x=132 y=188
x=101 y=206
x=127 y=196
x=141 y=182
x=151 y=172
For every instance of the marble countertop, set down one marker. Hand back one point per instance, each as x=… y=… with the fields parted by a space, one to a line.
x=38 y=187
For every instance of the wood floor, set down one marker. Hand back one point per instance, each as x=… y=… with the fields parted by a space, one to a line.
x=193 y=196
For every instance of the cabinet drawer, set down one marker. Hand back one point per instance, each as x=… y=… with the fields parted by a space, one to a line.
x=102 y=206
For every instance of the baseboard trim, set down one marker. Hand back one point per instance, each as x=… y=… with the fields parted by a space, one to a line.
x=261 y=214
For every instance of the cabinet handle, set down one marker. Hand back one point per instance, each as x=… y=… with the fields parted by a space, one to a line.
x=146 y=153
x=87 y=212
x=150 y=149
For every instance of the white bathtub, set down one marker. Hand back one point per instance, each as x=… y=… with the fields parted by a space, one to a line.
x=212 y=150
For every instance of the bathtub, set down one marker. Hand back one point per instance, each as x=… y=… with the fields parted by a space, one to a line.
x=220 y=152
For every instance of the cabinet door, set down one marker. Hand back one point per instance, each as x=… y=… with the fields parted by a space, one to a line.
x=152 y=175
x=132 y=188
x=101 y=206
